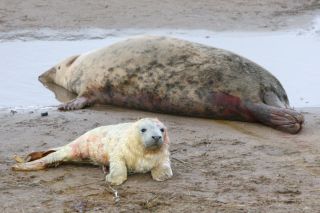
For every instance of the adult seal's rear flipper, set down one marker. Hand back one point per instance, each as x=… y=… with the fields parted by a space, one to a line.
x=283 y=119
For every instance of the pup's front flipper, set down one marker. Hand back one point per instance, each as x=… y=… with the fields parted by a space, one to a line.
x=78 y=103
x=118 y=173
x=162 y=172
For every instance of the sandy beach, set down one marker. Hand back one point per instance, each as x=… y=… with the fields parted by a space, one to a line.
x=233 y=15
x=218 y=166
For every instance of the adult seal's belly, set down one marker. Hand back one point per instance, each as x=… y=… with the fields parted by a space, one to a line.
x=169 y=75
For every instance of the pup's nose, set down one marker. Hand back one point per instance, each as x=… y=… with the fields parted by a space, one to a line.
x=156 y=138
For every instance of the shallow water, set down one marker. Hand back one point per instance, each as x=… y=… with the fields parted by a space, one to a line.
x=293 y=57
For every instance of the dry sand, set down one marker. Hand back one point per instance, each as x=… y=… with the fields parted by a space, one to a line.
x=218 y=166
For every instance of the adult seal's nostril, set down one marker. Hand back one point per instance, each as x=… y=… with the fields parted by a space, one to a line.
x=156 y=138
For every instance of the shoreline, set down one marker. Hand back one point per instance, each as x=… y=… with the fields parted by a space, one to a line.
x=280 y=60
x=312 y=27
x=216 y=16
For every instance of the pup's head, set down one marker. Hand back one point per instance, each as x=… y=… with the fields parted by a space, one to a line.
x=152 y=133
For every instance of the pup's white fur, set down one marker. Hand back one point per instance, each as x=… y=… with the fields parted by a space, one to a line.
x=129 y=154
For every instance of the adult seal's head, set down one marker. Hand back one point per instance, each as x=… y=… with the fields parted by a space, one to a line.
x=60 y=74
x=169 y=75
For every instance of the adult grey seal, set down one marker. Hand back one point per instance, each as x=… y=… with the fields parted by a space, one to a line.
x=163 y=74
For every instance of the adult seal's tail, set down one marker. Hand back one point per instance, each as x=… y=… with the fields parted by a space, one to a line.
x=169 y=75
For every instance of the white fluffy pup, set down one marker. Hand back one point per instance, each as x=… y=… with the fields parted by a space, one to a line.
x=136 y=147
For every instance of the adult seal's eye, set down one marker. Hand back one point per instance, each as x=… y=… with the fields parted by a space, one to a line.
x=162 y=129
x=143 y=130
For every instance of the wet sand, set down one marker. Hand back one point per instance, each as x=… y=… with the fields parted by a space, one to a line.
x=232 y=15
x=218 y=165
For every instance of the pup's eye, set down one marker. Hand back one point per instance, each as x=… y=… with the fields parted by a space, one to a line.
x=143 y=130
x=162 y=129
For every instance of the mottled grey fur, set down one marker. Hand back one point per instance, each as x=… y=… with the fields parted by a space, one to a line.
x=173 y=76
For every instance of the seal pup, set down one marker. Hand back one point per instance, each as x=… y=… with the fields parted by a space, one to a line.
x=163 y=74
x=137 y=147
